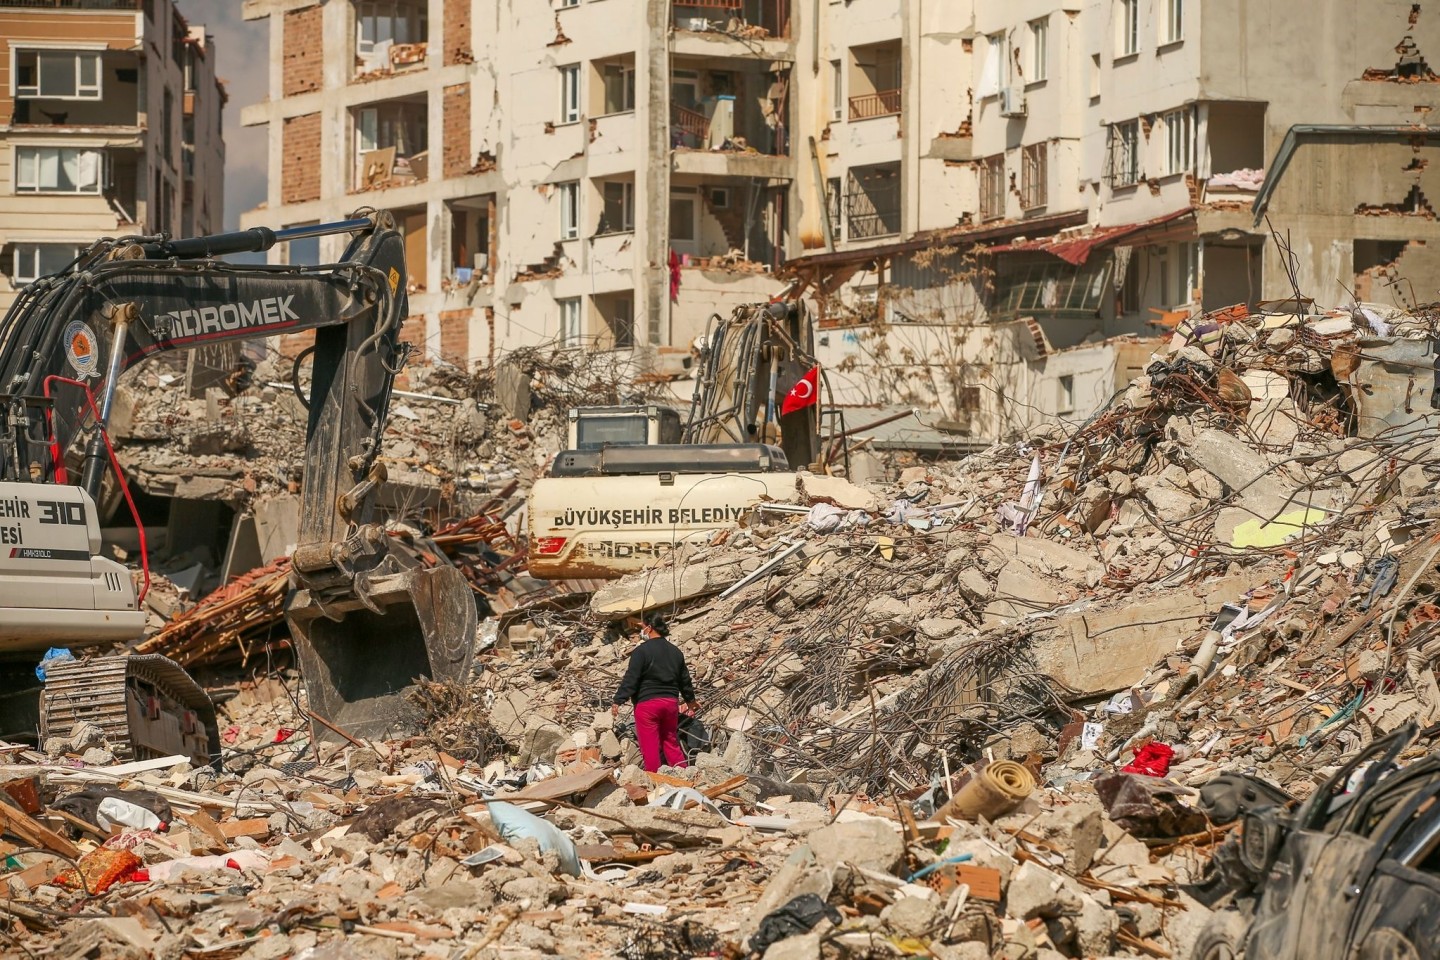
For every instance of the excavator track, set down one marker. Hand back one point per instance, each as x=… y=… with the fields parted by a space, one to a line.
x=147 y=705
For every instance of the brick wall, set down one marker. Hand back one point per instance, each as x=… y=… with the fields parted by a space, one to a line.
x=294 y=344
x=457 y=32
x=455 y=337
x=413 y=333
x=456 y=152
x=304 y=51
x=300 y=166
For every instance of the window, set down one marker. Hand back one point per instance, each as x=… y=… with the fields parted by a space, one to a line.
x=1034 y=175
x=1039 y=37
x=57 y=75
x=834 y=201
x=1094 y=76
x=619 y=88
x=569 y=210
x=1173 y=22
x=837 y=95
x=569 y=3
x=36 y=260
x=622 y=323
x=992 y=71
x=682 y=219
x=1027 y=286
x=57 y=170
x=570 y=322
x=720 y=198
x=1127 y=25
x=1066 y=399
x=992 y=187
x=570 y=93
x=1179 y=142
x=380 y=22
x=1124 y=159
x=618 y=215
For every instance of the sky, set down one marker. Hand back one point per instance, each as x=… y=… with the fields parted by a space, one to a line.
x=242 y=61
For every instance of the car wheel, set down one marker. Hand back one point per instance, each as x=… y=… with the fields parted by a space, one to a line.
x=1223 y=937
x=1387 y=945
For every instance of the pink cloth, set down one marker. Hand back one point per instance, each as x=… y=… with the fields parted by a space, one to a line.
x=657 y=725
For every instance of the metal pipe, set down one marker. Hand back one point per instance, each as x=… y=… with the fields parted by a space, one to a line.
x=93 y=473
x=254 y=240
x=1319 y=131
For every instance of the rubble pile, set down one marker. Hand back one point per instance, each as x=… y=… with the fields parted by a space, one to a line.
x=993 y=709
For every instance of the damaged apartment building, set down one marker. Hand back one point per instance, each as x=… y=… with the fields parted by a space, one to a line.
x=574 y=171
x=109 y=125
x=995 y=207
x=1051 y=185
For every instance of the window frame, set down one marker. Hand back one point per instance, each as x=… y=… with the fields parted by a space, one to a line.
x=992 y=187
x=1035 y=176
x=837 y=89
x=572 y=321
x=1173 y=23
x=693 y=200
x=626 y=81
x=627 y=206
x=1179 y=138
x=1039 y=38
x=35 y=91
x=416 y=17
x=570 y=93
x=17 y=279
x=569 y=193
x=992 y=68
x=21 y=188
x=1127 y=29
x=1115 y=177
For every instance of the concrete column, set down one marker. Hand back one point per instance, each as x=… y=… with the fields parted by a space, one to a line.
x=652 y=178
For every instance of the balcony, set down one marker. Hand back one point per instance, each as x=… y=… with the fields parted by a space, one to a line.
x=390 y=143
x=744 y=19
x=725 y=105
x=75 y=88
x=884 y=103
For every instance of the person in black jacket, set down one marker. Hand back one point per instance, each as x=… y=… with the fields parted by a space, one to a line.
x=656 y=680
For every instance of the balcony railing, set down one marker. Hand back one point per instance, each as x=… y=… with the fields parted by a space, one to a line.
x=774 y=15
x=690 y=122
x=881 y=103
x=76 y=4
x=868 y=219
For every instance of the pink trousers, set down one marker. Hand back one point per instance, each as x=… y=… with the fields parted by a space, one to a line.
x=657 y=726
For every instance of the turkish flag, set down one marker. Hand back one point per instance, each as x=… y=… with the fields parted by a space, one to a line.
x=805 y=393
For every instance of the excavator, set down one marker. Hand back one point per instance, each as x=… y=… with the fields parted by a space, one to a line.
x=366 y=617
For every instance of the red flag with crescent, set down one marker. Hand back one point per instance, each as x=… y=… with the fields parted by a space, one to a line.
x=805 y=393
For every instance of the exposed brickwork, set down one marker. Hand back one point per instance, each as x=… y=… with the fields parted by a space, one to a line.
x=294 y=344
x=456 y=152
x=455 y=337
x=304 y=51
x=413 y=333
x=457 y=32
x=300 y=167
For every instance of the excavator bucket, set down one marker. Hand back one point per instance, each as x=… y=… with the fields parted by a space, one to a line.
x=360 y=654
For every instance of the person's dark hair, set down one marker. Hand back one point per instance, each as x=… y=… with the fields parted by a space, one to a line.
x=657 y=623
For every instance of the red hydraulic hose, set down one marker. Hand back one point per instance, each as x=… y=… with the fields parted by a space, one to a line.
x=61 y=476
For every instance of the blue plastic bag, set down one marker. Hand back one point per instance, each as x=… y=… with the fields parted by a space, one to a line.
x=517 y=824
x=53 y=655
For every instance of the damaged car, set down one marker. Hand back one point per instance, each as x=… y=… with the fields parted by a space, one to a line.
x=1353 y=872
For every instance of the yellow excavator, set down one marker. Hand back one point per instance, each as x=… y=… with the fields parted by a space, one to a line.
x=366 y=619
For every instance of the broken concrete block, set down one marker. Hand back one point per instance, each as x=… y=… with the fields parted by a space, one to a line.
x=799 y=874
x=1252 y=479
x=916 y=917
x=814 y=488
x=1075 y=829
x=804 y=947
x=1018 y=591
x=1036 y=892
x=871 y=843
x=1171 y=505
x=973 y=585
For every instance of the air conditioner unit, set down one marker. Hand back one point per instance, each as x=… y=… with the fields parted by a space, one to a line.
x=1012 y=102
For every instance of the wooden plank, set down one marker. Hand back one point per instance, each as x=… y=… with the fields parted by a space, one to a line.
x=33 y=833
x=256 y=827
x=205 y=829
x=558 y=788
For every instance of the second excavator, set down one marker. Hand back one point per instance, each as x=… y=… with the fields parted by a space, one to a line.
x=366 y=619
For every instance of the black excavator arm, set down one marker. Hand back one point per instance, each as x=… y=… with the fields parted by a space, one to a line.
x=366 y=619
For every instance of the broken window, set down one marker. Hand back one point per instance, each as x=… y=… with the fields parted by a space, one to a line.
x=470 y=220
x=570 y=329
x=1127 y=25
x=570 y=93
x=992 y=70
x=58 y=170
x=1039 y=42
x=872 y=202
x=31 y=261
x=382 y=23
x=618 y=213
x=569 y=210
x=1050 y=286
x=1123 y=160
x=619 y=315
x=1172 y=21
x=1179 y=142
x=1034 y=175
x=992 y=187
x=619 y=87
x=57 y=74
x=390 y=140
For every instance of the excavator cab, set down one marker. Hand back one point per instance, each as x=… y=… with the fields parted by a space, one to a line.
x=368 y=616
